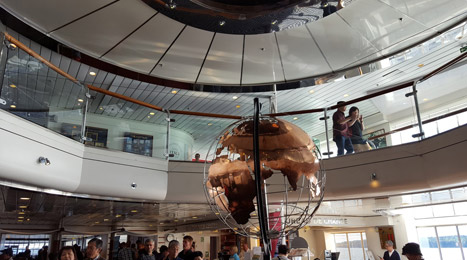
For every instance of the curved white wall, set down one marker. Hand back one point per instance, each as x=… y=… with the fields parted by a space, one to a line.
x=74 y=167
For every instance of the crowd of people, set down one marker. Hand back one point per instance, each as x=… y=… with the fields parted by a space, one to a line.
x=147 y=251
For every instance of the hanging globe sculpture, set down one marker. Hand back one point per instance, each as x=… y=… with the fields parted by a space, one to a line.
x=293 y=178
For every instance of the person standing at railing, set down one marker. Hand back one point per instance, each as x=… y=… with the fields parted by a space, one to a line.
x=356 y=128
x=341 y=130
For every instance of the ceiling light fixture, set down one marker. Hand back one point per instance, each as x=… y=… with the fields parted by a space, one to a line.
x=346 y=95
x=149 y=116
x=23 y=207
x=12 y=45
x=209 y=124
x=12 y=86
x=425 y=99
x=274 y=22
x=20 y=217
x=374 y=183
x=97 y=222
x=92 y=73
x=20 y=220
x=43 y=160
x=101 y=108
x=234 y=97
x=172 y=5
x=162 y=223
x=152 y=113
x=24 y=198
x=311 y=91
x=194 y=217
x=421 y=65
x=237 y=106
x=12 y=106
x=221 y=23
x=118 y=215
x=134 y=211
x=150 y=225
x=174 y=92
x=175 y=220
x=21 y=213
x=80 y=100
x=295 y=118
x=28 y=219
x=106 y=219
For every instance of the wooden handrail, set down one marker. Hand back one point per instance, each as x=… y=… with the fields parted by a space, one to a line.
x=139 y=102
x=39 y=57
x=423 y=122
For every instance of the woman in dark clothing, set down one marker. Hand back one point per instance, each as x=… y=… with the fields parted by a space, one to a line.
x=356 y=128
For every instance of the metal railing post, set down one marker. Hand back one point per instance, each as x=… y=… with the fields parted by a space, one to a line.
x=83 y=138
x=325 y=118
x=169 y=120
x=420 y=134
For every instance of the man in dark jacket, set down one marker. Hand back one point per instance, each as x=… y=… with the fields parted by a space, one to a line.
x=390 y=253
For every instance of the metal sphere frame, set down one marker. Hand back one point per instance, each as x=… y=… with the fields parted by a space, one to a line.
x=293 y=214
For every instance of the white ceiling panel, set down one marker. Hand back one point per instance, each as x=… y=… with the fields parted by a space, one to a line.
x=43 y=14
x=261 y=63
x=429 y=12
x=340 y=43
x=300 y=54
x=224 y=61
x=386 y=27
x=97 y=33
x=184 y=59
x=395 y=47
x=145 y=47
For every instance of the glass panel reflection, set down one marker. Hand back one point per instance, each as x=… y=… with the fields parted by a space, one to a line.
x=449 y=242
x=428 y=243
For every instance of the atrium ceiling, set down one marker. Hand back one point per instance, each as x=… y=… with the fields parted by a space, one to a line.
x=132 y=35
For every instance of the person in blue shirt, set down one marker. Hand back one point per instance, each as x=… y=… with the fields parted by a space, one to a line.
x=233 y=253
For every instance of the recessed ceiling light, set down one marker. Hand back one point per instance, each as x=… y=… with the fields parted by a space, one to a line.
x=106 y=219
x=101 y=108
x=20 y=220
x=194 y=217
x=149 y=116
x=221 y=23
x=295 y=118
x=421 y=65
x=23 y=207
x=237 y=106
x=217 y=213
x=92 y=73
x=28 y=219
x=134 y=211
x=274 y=22
x=80 y=100
x=12 y=106
x=346 y=95
x=162 y=223
x=209 y=123
x=175 y=220
x=425 y=99
x=150 y=225
x=20 y=217
x=254 y=214
x=21 y=213
x=234 y=97
x=12 y=86
x=174 y=92
x=97 y=222
x=118 y=215
x=152 y=113
x=24 y=198
x=311 y=91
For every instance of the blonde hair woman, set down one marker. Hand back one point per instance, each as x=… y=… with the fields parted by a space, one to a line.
x=233 y=253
